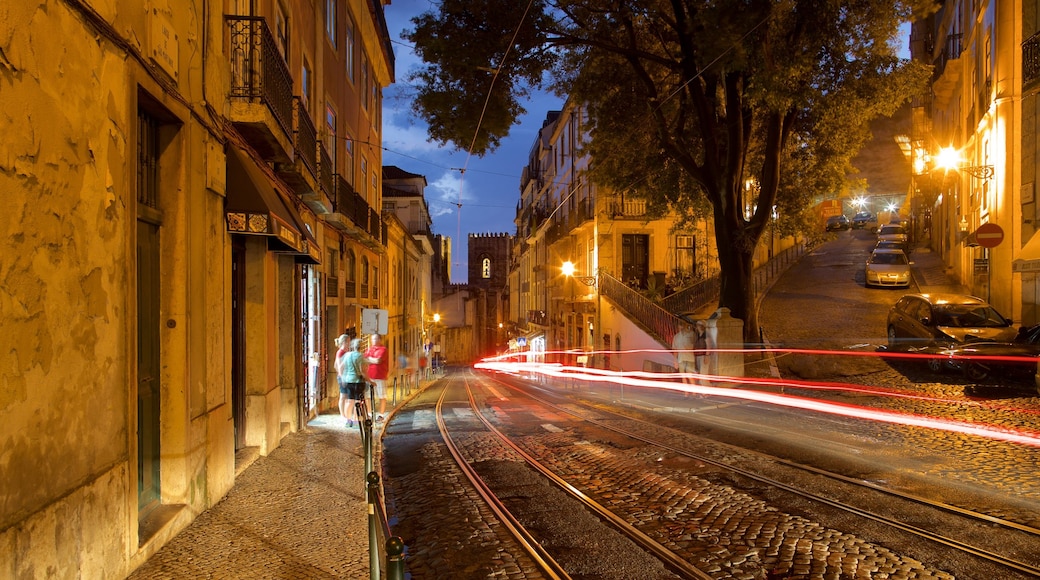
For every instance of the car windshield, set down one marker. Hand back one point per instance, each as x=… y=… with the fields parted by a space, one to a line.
x=888 y=258
x=891 y=230
x=968 y=316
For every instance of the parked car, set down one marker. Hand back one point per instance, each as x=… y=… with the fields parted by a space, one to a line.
x=1018 y=358
x=864 y=220
x=889 y=244
x=933 y=323
x=837 y=222
x=892 y=233
x=887 y=267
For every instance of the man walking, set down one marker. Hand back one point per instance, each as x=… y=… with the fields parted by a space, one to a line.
x=378 y=368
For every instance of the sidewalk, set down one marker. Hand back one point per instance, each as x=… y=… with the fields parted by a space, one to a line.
x=300 y=512
x=929 y=273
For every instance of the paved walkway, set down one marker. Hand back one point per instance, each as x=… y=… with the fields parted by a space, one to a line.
x=930 y=273
x=300 y=512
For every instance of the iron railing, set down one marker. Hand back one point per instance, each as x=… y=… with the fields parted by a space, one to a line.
x=306 y=145
x=951 y=51
x=1031 y=59
x=258 y=71
x=373 y=223
x=326 y=177
x=661 y=319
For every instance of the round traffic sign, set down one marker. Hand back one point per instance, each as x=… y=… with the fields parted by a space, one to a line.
x=989 y=235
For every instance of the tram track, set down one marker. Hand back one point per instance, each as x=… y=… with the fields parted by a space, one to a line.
x=694 y=538
x=621 y=423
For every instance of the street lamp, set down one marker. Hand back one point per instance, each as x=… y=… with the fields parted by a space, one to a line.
x=950 y=159
x=592 y=282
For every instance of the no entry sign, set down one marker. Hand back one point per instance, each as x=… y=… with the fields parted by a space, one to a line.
x=989 y=235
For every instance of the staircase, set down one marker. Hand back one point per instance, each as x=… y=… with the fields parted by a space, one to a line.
x=660 y=320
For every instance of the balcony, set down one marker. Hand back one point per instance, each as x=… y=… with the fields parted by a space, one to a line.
x=261 y=88
x=1031 y=61
x=326 y=171
x=627 y=208
x=948 y=68
x=342 y=215
x=300 y=173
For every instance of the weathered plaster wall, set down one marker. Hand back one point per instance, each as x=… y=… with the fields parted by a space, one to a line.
x=68 y=107
x=63 y=229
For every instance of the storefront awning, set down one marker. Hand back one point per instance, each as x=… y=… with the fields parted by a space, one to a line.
x=1028 y=259
x=253 y=207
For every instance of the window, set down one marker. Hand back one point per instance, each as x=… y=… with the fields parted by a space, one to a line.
x=348 y=49
x=485 y=268
x=330 y=21
x=305 y=85
x=147 y=160
x=348 y=161
x=685 y=255
x=330 y=129
x=281 y=31
x=350 y=266
x=364 y=81
x=363 y=182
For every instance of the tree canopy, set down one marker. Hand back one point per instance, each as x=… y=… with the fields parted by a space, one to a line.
x=736 y=107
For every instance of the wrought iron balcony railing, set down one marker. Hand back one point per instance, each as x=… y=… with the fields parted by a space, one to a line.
x=1031 y=59
x=258 y=71
x=326 y=177
x=306 y=142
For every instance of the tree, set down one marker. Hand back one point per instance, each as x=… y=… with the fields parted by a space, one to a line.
x=749 y=106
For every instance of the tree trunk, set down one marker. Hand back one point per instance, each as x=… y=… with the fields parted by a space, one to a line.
x=736 y=245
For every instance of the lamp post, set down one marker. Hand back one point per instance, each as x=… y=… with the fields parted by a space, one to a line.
x=591 y=282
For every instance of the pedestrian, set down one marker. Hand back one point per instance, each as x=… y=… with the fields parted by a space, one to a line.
x=354 y=378
x=700 y=346
x=682 y=346
x=342 y=346
x=378 y=369
x=422 y=365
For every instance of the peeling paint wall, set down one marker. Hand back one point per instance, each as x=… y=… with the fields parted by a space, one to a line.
x=72 y=76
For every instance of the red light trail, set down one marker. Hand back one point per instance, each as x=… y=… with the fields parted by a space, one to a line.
x=671 y=381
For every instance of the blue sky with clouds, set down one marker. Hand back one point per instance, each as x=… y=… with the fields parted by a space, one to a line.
x=489 y=188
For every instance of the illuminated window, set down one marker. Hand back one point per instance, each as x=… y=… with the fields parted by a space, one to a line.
x=348 y=49
x=330 y=20
x=485 y=268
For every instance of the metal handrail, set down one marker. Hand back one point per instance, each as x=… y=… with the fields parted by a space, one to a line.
x=661 y=320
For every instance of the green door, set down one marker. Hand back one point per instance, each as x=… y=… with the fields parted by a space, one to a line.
x=148 y=360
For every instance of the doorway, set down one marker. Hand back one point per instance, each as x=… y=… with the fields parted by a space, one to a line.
x=148 y=368
x=635 y=259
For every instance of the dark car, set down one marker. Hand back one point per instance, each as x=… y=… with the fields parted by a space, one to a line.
x=889 y=244
x=837 y=222
x=1017 y=359
x=932 y=323
x=864 y=220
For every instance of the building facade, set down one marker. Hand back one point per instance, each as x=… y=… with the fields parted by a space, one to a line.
x=606 y=238
x=974 y=147
x=192 y=214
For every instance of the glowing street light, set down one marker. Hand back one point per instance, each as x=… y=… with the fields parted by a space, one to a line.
x=949 y=159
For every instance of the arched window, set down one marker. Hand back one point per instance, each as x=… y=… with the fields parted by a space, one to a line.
x=350 y=273
x=364 y=276
x=485 y=268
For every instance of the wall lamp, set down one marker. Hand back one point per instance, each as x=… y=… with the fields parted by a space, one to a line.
x=568 y=270
x=948 y=158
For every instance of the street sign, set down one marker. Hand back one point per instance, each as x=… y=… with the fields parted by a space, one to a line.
x=521 y=341
x=989 y=235
x=374 y=321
